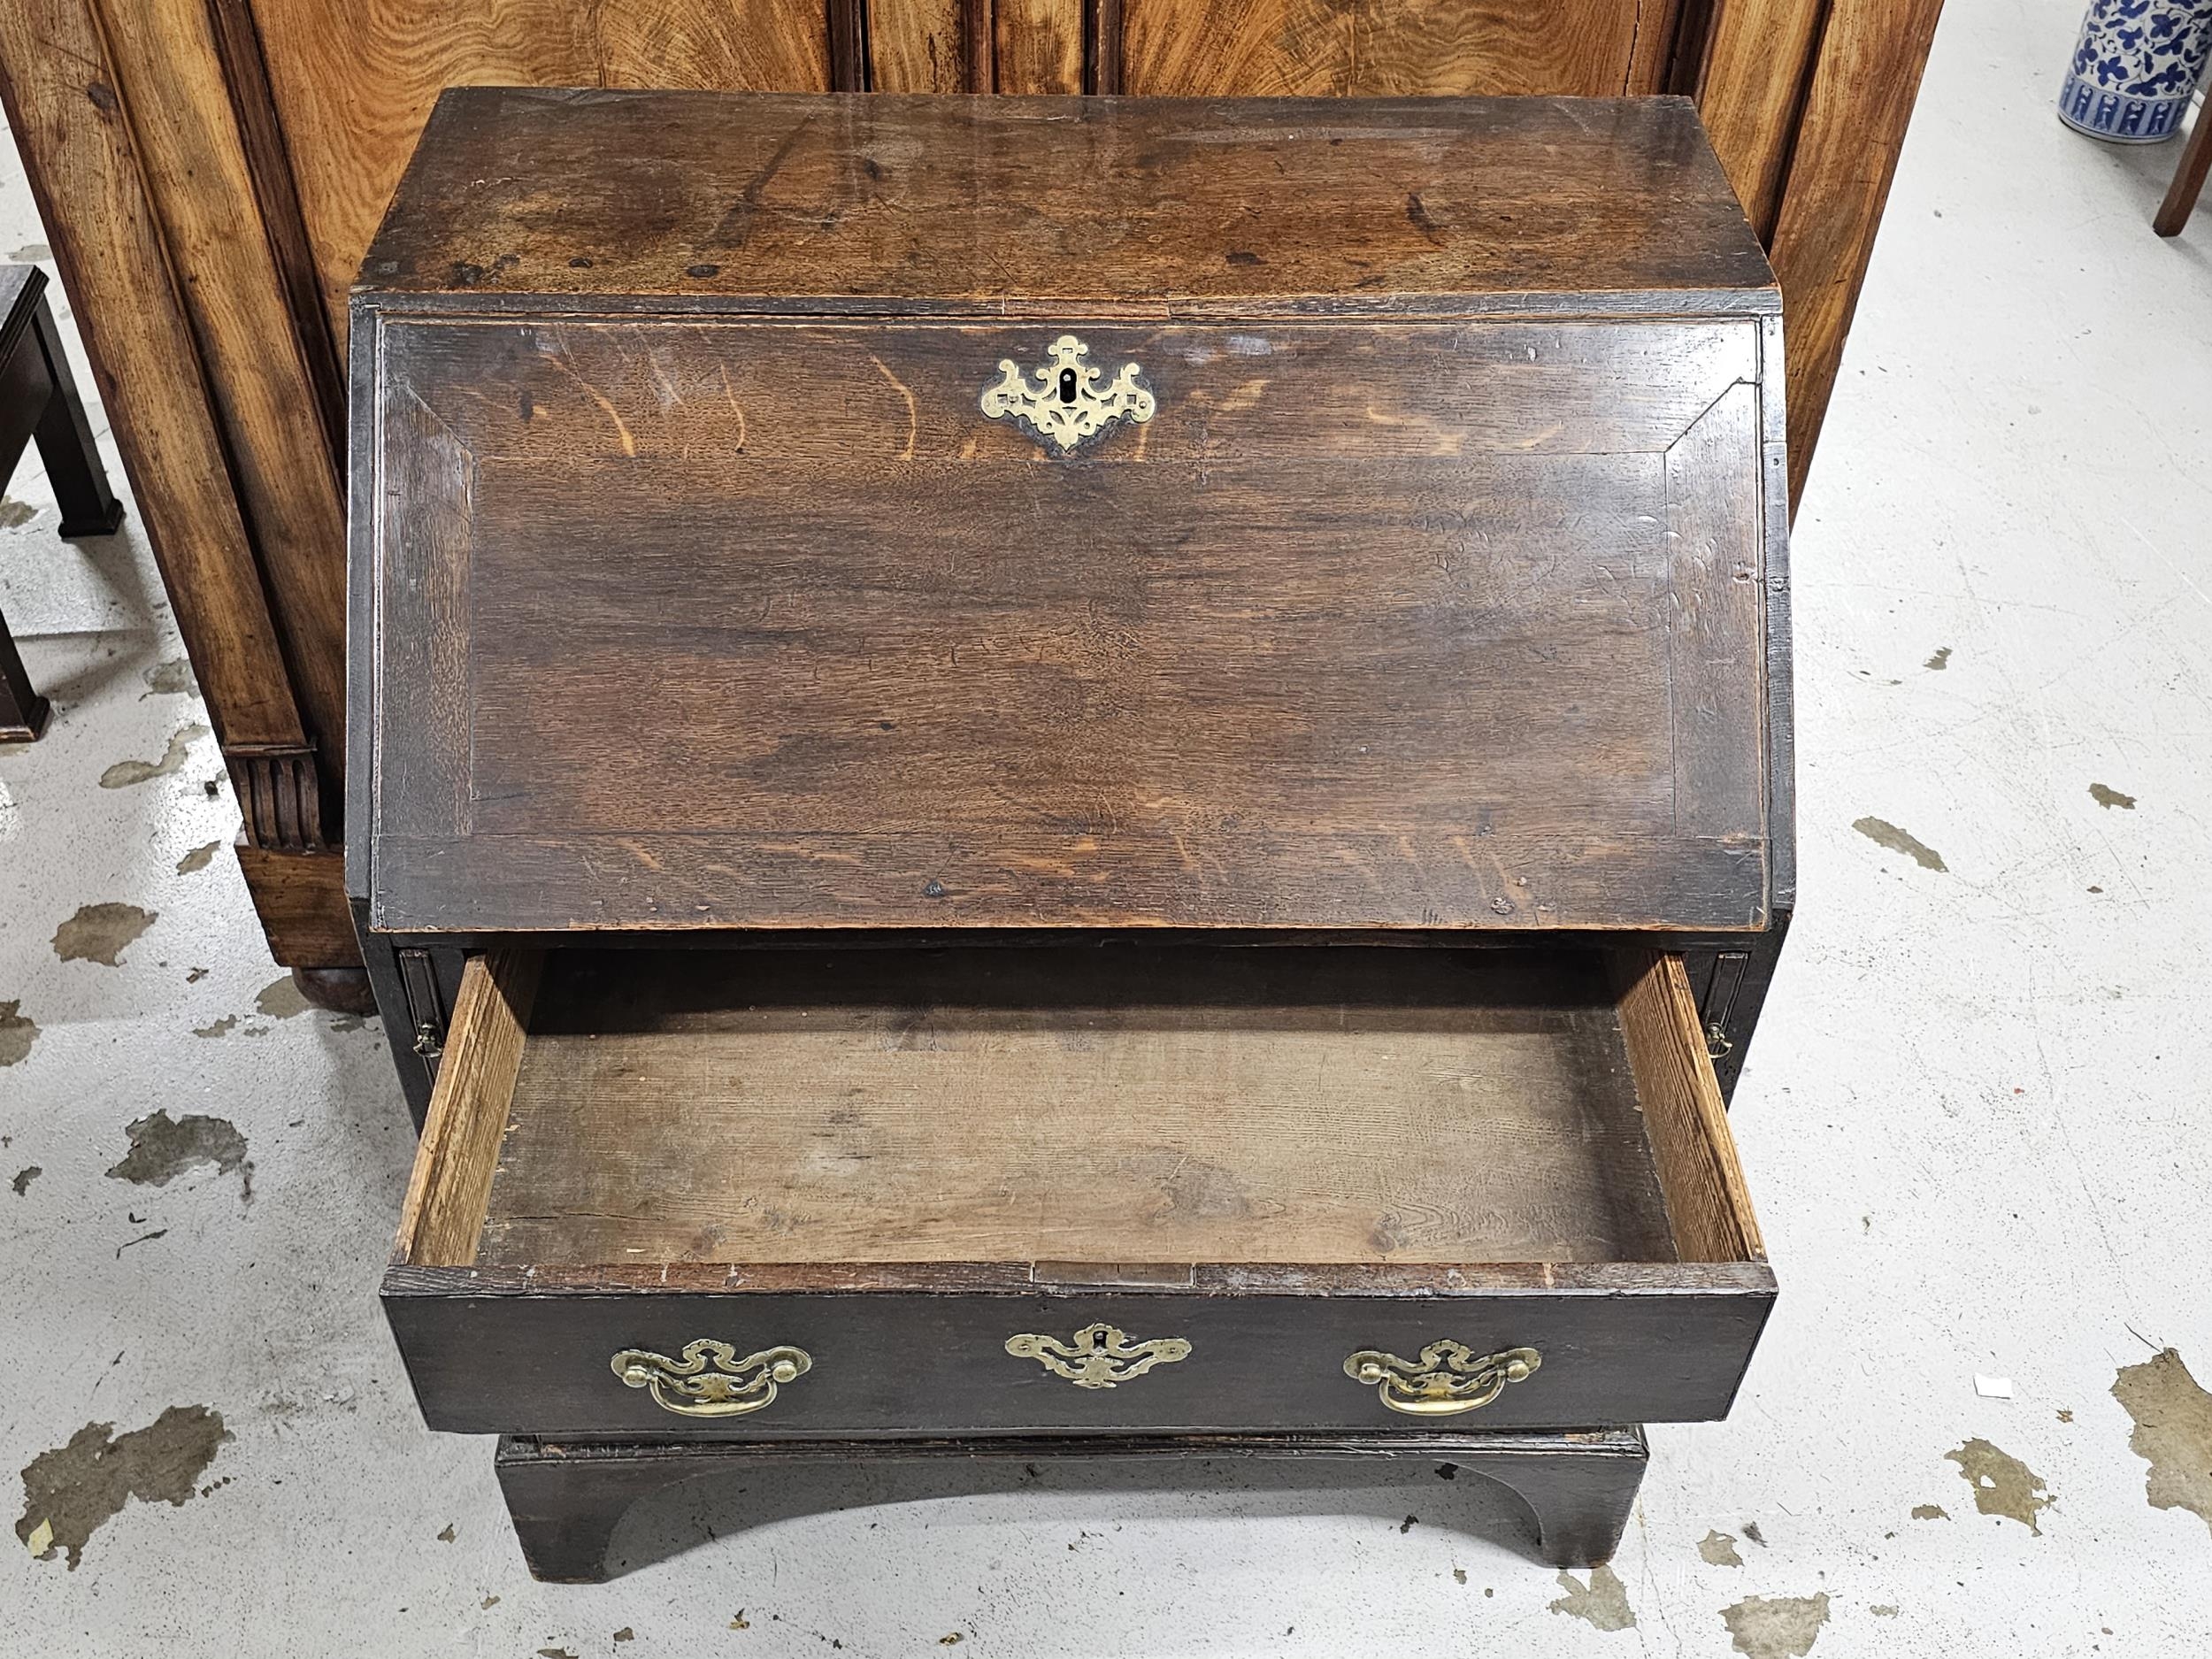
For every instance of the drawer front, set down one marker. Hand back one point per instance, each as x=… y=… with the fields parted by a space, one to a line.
x=544 y=1361
x=723 y=624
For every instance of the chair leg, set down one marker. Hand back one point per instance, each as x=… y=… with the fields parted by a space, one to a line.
x=88 y=507
x=2196 y=162
x=22 y=710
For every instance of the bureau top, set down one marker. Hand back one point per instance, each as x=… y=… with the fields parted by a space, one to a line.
x=859 y=204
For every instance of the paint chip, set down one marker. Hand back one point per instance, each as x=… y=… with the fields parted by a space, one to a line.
x=1941 y=660
x=280 y=999
x=625 y=1634
x=2003 y=1486
x=124 y=773
x=171 y=678
x=101 y=932
x=221 y=1027
x=17 y=1033
x=2172 y=1432
x=1603 y=1602
x=1883 y=833
x=1776 y=1626
x=72 y=1490
x=24 y=1177
x=14 y=514
x=1930 y=1512
x=197 y=859
x=1993 y=1387
x=488 y=1601
x=740 y=1622
x=164 y=1148
x=1883 y=1609
x=2106 y=798
x=1459 y=1575
x=447 y=1535
x=1719 y=1550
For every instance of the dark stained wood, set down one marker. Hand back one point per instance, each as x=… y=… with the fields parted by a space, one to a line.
x=1121 y=1105
x=1515 y=727
x=2189 y=176
x=785 y=204
x=1393 y=48
x=722 y=1229
x=1860 y=98
x=566 y=1497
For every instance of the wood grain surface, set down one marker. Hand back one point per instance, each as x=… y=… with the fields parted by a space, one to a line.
x=1394 y=625
x=354 y=80
x=1119 y=1106
x=845 y=200
x=1388 y=48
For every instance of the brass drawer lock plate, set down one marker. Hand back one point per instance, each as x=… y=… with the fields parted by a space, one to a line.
x=1065 y=406
x=1447 y=1379
x=1101 y=1356
x=710 y=1380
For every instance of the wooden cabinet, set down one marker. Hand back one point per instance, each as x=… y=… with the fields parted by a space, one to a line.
x=1037 y=769
x=211 y=173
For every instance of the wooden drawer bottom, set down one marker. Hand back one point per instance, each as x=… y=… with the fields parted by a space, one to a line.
x=777 y=1192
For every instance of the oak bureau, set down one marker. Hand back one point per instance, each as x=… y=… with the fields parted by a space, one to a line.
x=1056 y=777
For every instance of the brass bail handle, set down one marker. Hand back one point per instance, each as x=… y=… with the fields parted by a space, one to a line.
x=1447 y=1379
x=710 y=1380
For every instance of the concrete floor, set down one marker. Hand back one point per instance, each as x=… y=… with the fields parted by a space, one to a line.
x=1976 y=1121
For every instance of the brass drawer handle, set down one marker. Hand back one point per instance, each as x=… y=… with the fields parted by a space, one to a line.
x=1065 y=405
x=1447 y=1380
x=710 y=1380
x=1101 y=1356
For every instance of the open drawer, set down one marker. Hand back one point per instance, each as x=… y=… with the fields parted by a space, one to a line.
x=781 y=1192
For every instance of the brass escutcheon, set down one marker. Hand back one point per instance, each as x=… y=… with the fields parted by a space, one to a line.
x=1066 y=406
x=1447 y=1379
x=1101 y=1356
x=710 y=1380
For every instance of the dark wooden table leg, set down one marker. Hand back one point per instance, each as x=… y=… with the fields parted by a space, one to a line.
x=1581 y=1503
x=566 y=1502
x=88 y=507
x=22 y=710
x=2196 y=162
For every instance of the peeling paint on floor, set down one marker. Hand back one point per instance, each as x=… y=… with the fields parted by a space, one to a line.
x=69 y=1491
x=124 y=773
x=2108 y=797
x=1930 y=1512
x=163 y=1147
x=17 y=1033
x=172 y=677
x=1776 y=1626
x=1719 y=1550
x=280 y=999
x=2172 y=1434
x=198 y=858
x=101 y=932
x=1883 y=833
x=1940 y=661
x=2002 y=1484
x=1603 y=1601
x=24 y=1177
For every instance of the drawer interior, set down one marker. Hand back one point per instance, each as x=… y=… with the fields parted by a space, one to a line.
x=1075 y=1105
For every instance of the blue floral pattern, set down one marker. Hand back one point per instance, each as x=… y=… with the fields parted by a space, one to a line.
x=2135 y=67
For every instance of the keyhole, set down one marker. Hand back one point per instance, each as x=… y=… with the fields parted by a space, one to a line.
x=1098 y=1341
x=1067 y=386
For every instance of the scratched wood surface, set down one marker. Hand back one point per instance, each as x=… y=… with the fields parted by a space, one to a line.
x=1391 y=626
x=1099 y=1106
x=691 y=198
x=353 y=80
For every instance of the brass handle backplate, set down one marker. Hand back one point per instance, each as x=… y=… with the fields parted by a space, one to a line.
x=1101 y=1356
x=1449 y=1378
x=1066 y=405
x=710 y=1380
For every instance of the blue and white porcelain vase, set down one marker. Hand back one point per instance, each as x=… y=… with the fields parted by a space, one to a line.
x=2136 y=63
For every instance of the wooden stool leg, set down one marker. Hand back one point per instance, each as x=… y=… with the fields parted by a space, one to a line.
x=88 y=507
x=1581 y=1503
x=22 y=710
x=565 y=1509
x=2196 y=162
